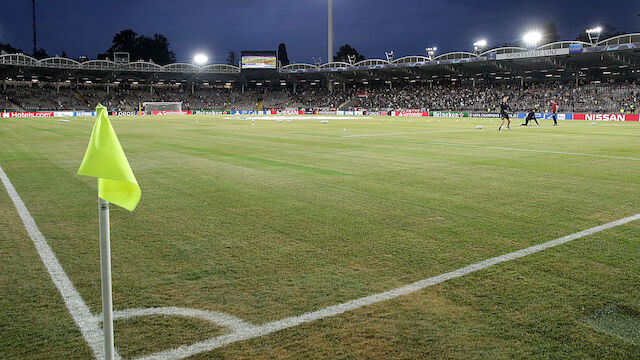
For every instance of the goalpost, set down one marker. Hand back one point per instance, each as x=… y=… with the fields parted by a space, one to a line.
x=162 y=106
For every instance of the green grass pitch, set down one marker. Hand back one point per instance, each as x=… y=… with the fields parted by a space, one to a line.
x=269 y=220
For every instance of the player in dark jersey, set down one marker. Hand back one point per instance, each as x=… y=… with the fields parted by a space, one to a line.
x=530 y=116
x=554 y=109
x=504 y=107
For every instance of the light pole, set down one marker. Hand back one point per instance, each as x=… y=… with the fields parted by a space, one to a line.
x=389 y=55
x=431 y=51
x=330 y=33
x=35 y=46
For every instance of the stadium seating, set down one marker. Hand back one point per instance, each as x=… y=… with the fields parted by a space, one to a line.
x=584 y=98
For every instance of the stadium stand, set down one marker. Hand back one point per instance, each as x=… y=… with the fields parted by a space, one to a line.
x=581 y=77
x=584 y=98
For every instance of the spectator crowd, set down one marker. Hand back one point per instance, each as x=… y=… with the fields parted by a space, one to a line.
x=589 y=98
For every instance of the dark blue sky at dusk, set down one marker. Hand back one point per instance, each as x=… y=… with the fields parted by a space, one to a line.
x=372 y=27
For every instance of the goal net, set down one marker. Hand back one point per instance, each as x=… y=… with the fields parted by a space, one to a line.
x=162 y=106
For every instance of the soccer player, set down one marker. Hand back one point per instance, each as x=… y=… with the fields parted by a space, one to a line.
x=503 y=113
x=530 y=116
x=554 y=109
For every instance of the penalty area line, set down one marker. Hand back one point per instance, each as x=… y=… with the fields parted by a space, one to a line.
x=274 y=326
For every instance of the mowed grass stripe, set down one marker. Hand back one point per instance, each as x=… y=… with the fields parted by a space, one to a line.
x=250 y=159
x=264 y=242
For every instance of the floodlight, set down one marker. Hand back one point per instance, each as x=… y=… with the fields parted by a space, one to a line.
x=594 y=34
x=480 y=43
x=595 y=30
x=532 y=38
x=431 y=51
x=200 y=59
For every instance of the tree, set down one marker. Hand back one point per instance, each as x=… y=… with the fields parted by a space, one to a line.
x=232 y=59
x=64 y=54
x=608 y=31
x=155 y=48
x=283 y=58
x=141 y=47
x=345 y=51
x=9 y=49
x=40 y=54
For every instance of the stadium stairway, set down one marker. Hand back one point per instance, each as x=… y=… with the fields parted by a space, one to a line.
x=349 y=103
x=80 y=98
x=11 y=104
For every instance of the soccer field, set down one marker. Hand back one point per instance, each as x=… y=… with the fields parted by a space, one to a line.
x=256 y=222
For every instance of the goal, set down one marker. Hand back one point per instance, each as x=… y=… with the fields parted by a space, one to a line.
x=162 y=106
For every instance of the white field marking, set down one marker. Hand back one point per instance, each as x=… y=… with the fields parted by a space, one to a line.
x=233 y=323
x=503 y=148
x=271 y=327
x=409 y=132
x=80 y=312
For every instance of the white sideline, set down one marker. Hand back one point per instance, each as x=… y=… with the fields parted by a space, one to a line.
x=502 y=148
x=268 y=328
x=80 y=312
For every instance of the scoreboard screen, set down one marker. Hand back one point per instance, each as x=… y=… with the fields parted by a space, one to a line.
x=259 y=60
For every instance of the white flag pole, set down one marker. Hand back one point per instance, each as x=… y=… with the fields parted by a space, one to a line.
x=105 y=269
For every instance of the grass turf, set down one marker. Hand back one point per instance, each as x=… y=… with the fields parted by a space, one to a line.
x=269 y=220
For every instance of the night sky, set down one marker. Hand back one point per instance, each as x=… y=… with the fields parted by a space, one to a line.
x=371 y=26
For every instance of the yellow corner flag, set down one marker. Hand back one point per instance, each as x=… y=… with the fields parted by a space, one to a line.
x=106 y=161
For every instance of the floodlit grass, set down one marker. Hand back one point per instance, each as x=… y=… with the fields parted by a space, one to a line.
x=134 y=338
x=269 y=220
x=616 y=321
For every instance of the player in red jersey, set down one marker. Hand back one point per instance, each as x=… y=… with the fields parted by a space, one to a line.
x=554 y=109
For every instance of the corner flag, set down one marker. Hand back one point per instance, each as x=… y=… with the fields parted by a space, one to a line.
x=106 y=161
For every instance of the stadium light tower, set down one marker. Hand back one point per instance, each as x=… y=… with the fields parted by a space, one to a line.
x=33 y=8
x=200 y=59
x=479 y=45
x=532 y=38
x=594 y=34
x=431 y=51
x=330 y=33
x=389 y=55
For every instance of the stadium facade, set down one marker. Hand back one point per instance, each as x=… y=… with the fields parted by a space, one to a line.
x=614 y=58
x=611 y=65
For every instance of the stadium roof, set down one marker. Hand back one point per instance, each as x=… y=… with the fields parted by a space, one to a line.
x=554 y=60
